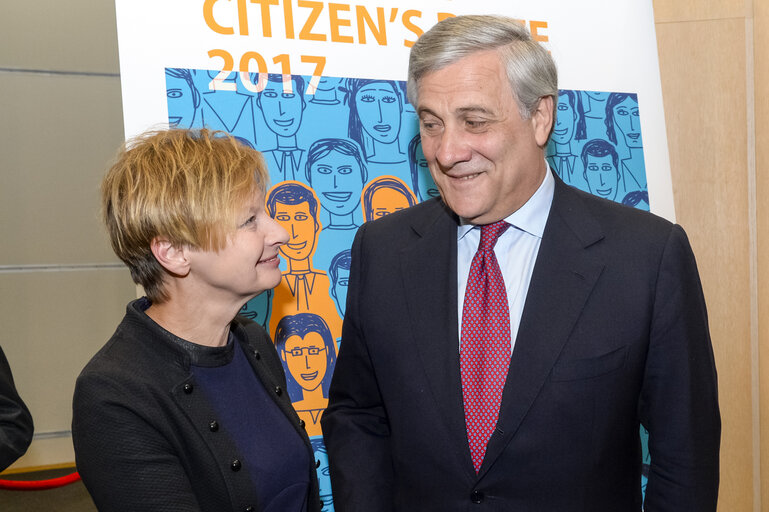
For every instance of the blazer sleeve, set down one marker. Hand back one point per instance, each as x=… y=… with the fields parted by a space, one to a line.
x=125 y=463
x=16 y=426
x=355 y=424
x=679 y=397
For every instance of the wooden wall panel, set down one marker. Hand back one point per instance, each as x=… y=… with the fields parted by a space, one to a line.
x=761 y=87
x=703 y=69
x=698 y=10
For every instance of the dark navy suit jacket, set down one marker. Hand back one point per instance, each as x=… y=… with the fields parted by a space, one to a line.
x=614 y=332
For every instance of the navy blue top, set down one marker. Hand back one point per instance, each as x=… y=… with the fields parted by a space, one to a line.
x=270 y=448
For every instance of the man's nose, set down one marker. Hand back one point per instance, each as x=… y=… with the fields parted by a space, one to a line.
x=453 y=148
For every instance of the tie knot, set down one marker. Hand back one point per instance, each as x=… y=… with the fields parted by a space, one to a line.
x=490 y=233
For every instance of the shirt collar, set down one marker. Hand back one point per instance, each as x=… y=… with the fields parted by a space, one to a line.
x=532 y=216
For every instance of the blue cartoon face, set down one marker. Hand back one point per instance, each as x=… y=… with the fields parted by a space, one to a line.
x=627 y=121
x=327 y=83
x=425 y=184
x=602 y=177
x=379 y=109
x=597 y=95
x=565 y=121
x=258 y=308
x=282 y=111
x=339 y=289
x=181 y=103
x=338 y=182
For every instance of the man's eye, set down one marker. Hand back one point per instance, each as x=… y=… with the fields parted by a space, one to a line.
x=345 y=170
x=388 y=99
x=174 y=93
x=323 y=170
x=270 y=94
x=300 y=216
x=475 y=124
x=288 y=95
x=283 y=217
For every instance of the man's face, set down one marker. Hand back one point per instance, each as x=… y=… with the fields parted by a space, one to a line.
x=338 y=181
x=302 y=229
x=306 y=359
x=486 y=160
x=602 y=177
x=564 y=121
x=282 y=111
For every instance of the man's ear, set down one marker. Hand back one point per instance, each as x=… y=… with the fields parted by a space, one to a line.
x=173 y=258
x=542 y=120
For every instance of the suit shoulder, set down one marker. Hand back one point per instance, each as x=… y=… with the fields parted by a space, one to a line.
x=615 y=217
x=401 y=224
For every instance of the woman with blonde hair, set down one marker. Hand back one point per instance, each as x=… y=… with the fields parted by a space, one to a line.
x=185 y=408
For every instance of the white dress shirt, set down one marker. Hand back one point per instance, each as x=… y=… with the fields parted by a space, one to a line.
x=516 y=251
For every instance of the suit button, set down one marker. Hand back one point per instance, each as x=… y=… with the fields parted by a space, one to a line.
x=188 y=388
x=317 y=463
x=249 y=509
x=476 y=497
x=235 y=465
x=278 y=391
x=301 y=423
x=213 y=426
x=257 y=355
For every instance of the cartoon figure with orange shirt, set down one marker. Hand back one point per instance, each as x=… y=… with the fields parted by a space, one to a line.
x=385 y=195
x=302 y=289
x=308 y=354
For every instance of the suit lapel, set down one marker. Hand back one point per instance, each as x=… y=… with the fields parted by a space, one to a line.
x=563 y=278
x=429 y=266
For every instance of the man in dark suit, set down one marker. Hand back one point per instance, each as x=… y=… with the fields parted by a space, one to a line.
x=604 y=324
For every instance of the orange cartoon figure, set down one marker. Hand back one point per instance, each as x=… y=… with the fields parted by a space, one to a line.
x=385 y=195
x=302 y=288
x=306 y=349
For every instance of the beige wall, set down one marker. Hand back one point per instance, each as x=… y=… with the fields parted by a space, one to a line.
x=707 y=64
x=62 y=291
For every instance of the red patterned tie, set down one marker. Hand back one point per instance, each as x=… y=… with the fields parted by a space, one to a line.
x=485 y=354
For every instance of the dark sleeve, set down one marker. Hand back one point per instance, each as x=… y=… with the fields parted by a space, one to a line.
x=16 y=426
x=126 y=464
x=679 y=399
x=355 y=425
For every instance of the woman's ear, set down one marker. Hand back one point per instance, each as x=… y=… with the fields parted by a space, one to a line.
x=173 y=258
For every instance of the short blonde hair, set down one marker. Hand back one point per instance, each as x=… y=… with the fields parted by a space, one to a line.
x=183 y=185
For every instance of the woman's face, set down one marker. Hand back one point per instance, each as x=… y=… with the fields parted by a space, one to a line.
x=628 y=122
x=306 y=359
x=248 y=263
x=379 y=110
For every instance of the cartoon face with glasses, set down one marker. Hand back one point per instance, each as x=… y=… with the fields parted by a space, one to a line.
x=306 y=349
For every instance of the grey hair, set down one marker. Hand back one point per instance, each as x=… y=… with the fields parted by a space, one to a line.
x=530 y=68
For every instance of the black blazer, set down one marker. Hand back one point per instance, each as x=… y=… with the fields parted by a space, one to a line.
x=614 y=332
x=142 y=431
x=16 y=427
